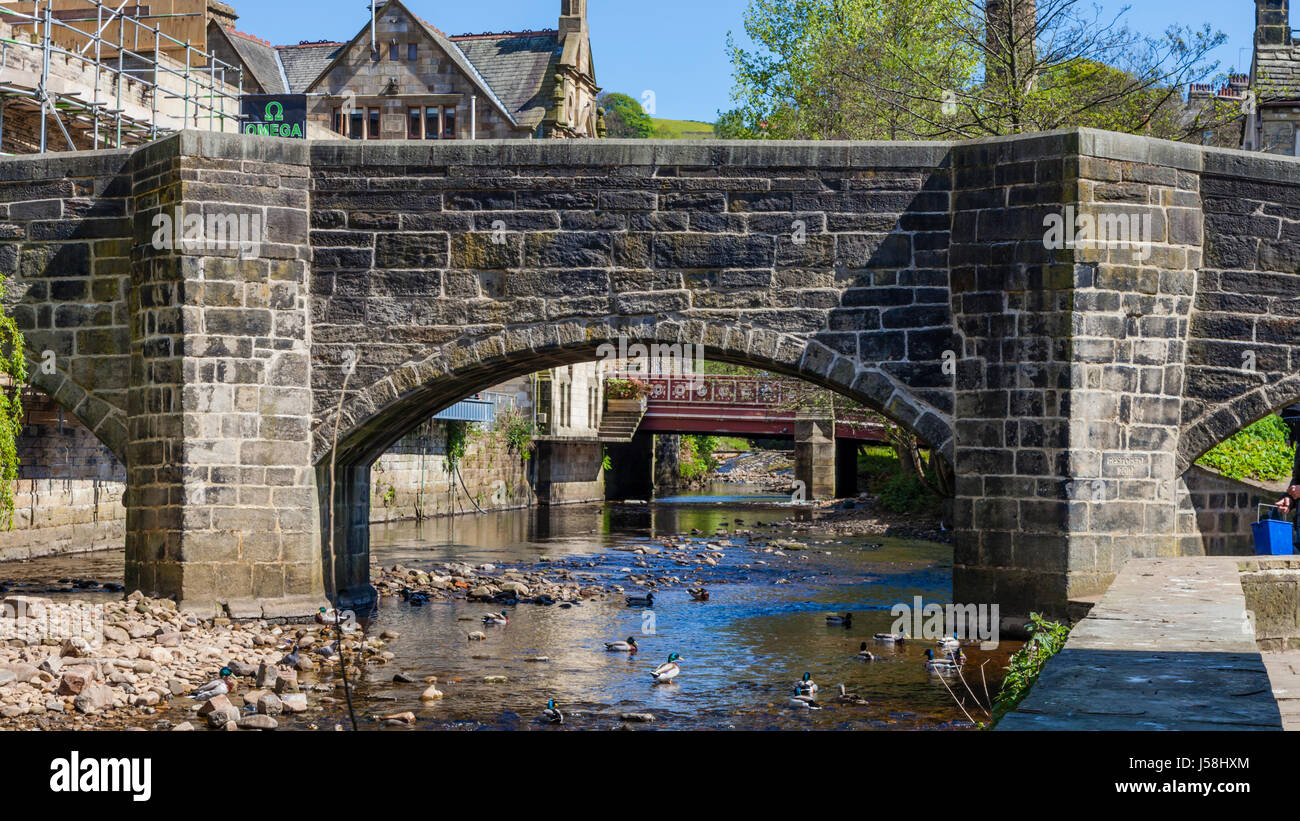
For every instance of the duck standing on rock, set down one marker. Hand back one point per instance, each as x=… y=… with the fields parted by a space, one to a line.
x=628 y=646
x=219 y=686
x=667 y=671
x=501 y=618
x=552 y=713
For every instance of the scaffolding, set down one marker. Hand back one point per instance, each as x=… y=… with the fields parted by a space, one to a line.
x=200 y=84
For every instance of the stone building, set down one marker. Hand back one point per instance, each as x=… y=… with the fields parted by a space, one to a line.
x=1274 y=112
x=408 y=80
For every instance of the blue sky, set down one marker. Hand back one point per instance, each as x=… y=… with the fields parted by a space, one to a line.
x=675 y=48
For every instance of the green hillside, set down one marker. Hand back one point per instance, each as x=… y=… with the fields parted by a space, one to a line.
x=682 y=130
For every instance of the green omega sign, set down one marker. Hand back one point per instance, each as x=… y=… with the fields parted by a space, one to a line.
x=274 y=115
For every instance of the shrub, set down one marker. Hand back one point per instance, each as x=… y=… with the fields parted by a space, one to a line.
x=1259 y=452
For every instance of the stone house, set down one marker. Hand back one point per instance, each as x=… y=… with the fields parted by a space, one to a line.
x=1273 y=113
x=408 y=80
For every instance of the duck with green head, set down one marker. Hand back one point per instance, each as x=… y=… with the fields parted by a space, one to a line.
x=667 y=671
x=552 y=713
x=628 y=646
x=219 y=686
x=806 y=685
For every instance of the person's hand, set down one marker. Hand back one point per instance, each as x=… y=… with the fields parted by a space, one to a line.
x=1284 y=505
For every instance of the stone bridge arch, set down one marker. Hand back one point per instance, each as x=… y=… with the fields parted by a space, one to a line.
x=1083 y=382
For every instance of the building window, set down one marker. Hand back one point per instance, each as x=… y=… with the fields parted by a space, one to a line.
x=372 y=123
x=357 y=124
x=336 y=120
x=412 y=51
x=414 y=123
x=432 y=125
x=449 y=122
x=393 y=52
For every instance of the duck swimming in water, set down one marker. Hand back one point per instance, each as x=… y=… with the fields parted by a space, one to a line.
x=949 y=643
x=415 y=598
x=845 y=620
x=648 y=600
x=801 y=701
x=891 y=638
x=806 y=686
x=845 y=697
x=698 y=594
x=497 y=618
x=942 y=666
x=667 y=671
x=552 y=713
x=628 y=646
x=219 y=686
x=865 y=654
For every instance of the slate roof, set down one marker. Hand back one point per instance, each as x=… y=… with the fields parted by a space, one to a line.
x=261 y=59
x=1277 y=72
x=518 y=67
x=303 y=64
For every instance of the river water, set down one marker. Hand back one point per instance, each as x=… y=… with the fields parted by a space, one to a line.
x=763 y=627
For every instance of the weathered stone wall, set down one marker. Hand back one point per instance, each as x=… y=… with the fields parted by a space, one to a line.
x=1220 y=512
x=411 y=481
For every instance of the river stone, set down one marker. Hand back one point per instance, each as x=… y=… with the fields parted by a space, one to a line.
x=75 y=680
x=267 y=676
x=93 y=699
x=270 y=705
x=224 y=717
x=639 y=718
x=257 y=722
x=518 y=588
x=431 y=694
x=183 y=727
x=294 y=702
x=116 y=634
x=243 y=670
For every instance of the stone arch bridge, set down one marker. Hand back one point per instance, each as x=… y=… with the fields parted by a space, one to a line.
x=248 y=385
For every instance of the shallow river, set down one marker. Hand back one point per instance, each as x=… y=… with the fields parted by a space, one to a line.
x=763 y=627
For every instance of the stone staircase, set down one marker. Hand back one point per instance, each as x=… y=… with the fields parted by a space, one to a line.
x=620 y=425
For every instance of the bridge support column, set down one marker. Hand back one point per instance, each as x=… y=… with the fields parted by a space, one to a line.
x=1070 y=379
x=631 y=474
x=346 y=558
x=569 y=473
x=846 y=468
x=814 y=457
x=221 y=492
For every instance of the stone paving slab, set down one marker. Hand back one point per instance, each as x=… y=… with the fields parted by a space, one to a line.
x=1168 y=647
x=1284 y=674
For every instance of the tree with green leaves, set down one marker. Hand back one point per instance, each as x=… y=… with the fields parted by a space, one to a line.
x=953 y=69
x=624 y=117
x=13 y=366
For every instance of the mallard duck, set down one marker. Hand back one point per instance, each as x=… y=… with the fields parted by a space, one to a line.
x=845 y=620
x=890 y=638
x=800 y=701
x=668 y=670
x=217 y=687
x=497 y=618
x=415 y=598
x=941 y=666
x=648 y=600
x=865 y=654
x=949 y=643
x=806 y=685
x=628 y=646
x=845 y=697
x=698 y=594
x=552 y=713
x=328 y=615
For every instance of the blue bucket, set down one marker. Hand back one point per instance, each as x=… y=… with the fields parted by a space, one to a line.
x=1273 y=537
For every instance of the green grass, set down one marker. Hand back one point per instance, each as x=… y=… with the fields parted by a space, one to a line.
x=682 y=130
x=893 y=491
x=1259 y=452
x=728 y=443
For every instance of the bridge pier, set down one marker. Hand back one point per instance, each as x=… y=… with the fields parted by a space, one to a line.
x=631 y=473
x=814 y=457
x=221 y=490
x=846 y=468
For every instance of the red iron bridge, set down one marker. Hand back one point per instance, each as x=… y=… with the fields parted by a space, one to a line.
x=746 y=406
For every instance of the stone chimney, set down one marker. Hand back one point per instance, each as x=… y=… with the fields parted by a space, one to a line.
x=573 y=16
x=1010 y=24
x=1272 y=23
